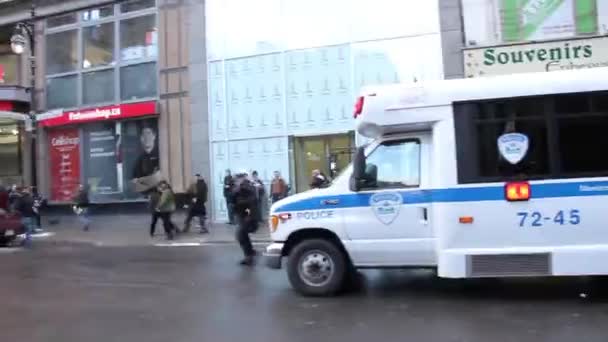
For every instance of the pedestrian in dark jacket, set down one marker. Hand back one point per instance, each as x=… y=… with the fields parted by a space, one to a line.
x=198 y=197
x=81 y=206
x=154 y=198
x=24 y=205
x=39 y=202
x=228 y=189
x=245 y=209
x=260 y=194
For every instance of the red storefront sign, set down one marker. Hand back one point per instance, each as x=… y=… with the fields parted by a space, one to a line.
x=64 y=157
x=114 y=112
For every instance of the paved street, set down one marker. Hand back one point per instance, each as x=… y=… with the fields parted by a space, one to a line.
x=71 y=292
x=133 y=230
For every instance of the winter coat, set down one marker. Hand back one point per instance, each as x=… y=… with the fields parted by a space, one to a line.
x=82 y=199
x=198 y=191
x=245 y=198
x=166 y=203
x=25 y=205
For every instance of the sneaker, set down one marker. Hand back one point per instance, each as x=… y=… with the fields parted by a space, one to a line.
x=204 y=231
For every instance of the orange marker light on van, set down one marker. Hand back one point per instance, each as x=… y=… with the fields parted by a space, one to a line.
x=517 y=191
x=274 y=223
x=465 y=219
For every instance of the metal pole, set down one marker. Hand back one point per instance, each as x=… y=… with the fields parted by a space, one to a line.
x=31 y=28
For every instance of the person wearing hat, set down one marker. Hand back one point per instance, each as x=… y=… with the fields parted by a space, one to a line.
x=245 y=209
x=198 y=194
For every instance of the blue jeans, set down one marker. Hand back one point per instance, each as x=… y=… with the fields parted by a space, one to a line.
x=29 y=223
x=83 y=217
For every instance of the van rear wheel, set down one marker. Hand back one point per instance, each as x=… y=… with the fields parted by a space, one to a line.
x=317 y=268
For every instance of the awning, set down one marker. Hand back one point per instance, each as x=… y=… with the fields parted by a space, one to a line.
x=18 y=117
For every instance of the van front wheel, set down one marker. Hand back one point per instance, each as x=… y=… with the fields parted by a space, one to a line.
x=316 y=268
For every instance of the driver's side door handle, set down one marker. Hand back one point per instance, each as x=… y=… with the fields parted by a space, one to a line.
x=330 y=202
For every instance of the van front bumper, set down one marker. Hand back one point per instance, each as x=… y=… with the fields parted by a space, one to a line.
x=274 y=255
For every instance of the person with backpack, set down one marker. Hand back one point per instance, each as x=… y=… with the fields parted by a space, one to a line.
x=198 y=194
x=166 y=207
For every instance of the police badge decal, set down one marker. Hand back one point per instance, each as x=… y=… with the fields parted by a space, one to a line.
x=386 y=206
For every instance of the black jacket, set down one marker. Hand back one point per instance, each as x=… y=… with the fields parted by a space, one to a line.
x=82 y=199
x=244 y=197
x=200 y=194
x=228 y=186
x=25 y=205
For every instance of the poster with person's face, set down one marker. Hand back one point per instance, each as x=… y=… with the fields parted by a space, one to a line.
x=141 y=162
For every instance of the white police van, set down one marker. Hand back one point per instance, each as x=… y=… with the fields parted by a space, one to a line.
x=491 y=177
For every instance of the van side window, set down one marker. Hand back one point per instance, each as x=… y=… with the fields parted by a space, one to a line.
x=395 y=164
x=566 y=133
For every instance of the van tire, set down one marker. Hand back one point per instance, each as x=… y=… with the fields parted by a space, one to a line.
x=317 y=268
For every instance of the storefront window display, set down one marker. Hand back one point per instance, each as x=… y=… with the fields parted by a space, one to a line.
x=112 y=149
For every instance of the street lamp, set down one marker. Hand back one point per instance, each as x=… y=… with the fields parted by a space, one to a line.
x=18 y=41
x=22 y=35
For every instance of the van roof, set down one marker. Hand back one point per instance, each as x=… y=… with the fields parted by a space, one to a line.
x=445 y=92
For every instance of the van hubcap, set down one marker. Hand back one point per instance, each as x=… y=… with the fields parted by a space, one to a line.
x=316 y=268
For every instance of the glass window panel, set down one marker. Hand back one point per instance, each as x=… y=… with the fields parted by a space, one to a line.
x=138 y=81
x=98 y=87
x=61 y=20
x=583 y=133
x=61 y=52
x=138 y=38
x=61 y=92
x=9 y=69
x=97 y=13
x=98 y=44
x=10 y=158
x=306 y=26
x=377 y=19
x=392 y=61
x=100 y=159
x=215 y=22
x=261 y=18
x=136 y=5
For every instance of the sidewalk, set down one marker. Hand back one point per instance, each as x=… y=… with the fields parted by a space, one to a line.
x=133 y=230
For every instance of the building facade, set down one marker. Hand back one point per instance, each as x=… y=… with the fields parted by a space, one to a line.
x=510 y=36
x=112 y=95
x=211 y=85
x=283 y=76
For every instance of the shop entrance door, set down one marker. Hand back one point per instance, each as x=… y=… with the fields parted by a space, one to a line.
x=329 y=154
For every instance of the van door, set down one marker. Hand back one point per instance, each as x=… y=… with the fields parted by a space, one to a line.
x=391 y=226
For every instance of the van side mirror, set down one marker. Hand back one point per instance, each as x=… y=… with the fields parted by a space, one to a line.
x=358 y=176
x=359 y=163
